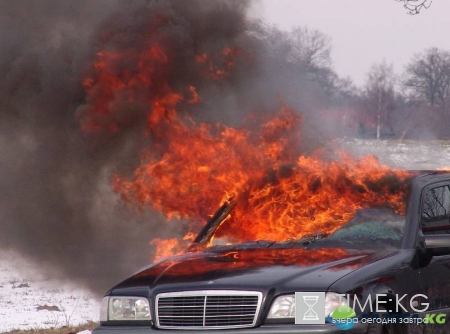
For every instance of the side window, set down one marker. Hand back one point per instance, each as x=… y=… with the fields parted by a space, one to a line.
x=436 y=211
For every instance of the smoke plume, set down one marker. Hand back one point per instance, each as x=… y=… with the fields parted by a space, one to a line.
x=59 y=154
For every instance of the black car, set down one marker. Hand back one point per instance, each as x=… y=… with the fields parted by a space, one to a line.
x=392 y=269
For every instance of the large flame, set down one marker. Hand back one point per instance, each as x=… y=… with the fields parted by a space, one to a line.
x=282 y=194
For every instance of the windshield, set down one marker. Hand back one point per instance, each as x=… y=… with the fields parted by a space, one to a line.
x=370 y=228
x=377 y=226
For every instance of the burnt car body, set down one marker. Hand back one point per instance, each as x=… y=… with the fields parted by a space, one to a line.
x=233 y=289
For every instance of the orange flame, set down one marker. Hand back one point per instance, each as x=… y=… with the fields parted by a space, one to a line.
x=282 y=193
x=218 y=72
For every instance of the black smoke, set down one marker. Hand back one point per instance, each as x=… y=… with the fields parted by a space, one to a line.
x=56 y=204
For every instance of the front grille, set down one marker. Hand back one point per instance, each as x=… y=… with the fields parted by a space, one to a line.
x=207 y=309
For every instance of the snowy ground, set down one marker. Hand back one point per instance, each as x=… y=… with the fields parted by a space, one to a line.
x=29 y=299
x=411 y=155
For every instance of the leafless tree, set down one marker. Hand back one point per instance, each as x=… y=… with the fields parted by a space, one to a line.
x=379 y=94
x=428 y=77
x=310 y=47
x=303 y=52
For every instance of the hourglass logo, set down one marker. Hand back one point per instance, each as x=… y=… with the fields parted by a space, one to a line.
x=310 y=307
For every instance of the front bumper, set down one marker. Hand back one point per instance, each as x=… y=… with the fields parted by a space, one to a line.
x=265 y=329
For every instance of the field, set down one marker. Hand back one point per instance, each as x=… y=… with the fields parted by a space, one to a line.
x=82 y=329
x=30 y=300
x=412 y=155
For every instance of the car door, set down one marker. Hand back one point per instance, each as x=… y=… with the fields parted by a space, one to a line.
x=435 y=277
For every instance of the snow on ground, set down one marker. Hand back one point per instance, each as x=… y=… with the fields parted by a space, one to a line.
x=411 y=155
x=29 y=299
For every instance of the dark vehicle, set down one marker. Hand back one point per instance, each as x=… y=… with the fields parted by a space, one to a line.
x=394 y=266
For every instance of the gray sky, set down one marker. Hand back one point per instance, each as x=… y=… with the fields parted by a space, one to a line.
x=364 y=32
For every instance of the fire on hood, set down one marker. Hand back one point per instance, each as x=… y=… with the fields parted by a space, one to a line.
x=194 y=166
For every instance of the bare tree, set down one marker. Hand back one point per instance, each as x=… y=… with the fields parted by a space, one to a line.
x=428 y=78
x=310 y=47
x=303 y=53
x=379 y=94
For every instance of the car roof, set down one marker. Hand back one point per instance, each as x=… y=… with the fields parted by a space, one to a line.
x=426 y=174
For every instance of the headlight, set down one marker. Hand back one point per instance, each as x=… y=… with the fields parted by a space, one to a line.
x=124 y=309
x=284 y=306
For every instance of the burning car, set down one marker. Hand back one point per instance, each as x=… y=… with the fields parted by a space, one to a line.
x=385 y=259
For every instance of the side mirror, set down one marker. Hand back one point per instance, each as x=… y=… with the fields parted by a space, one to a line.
x=437 y=244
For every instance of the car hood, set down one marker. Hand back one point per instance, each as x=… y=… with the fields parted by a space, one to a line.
x=282 y=269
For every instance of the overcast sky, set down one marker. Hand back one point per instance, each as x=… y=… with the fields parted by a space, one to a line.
x=365 y=32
